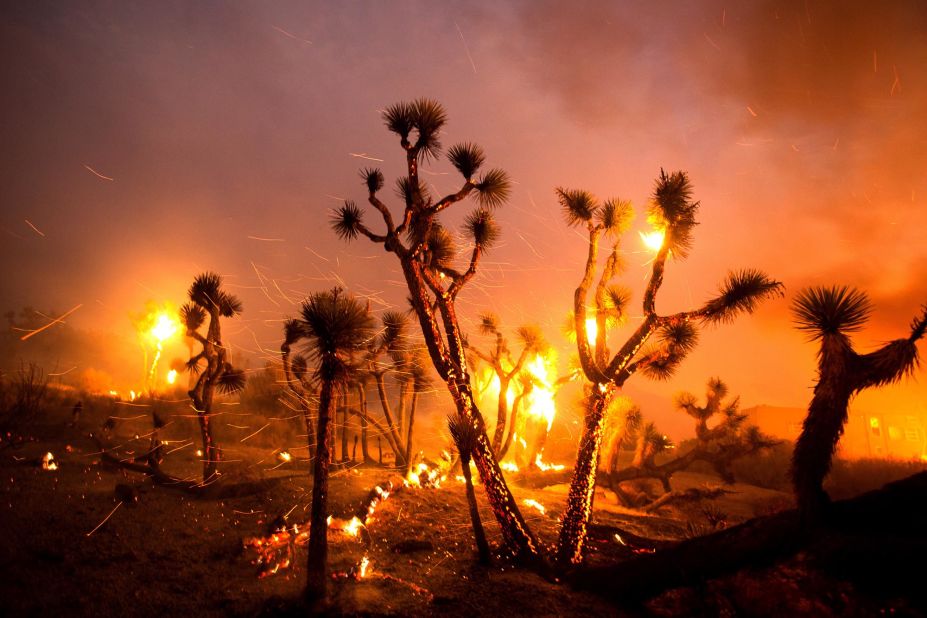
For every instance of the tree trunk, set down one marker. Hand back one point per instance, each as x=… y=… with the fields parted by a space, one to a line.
x=481 y=545
x=365 y=449
x=869 y=533
x=513 y=423
x=412 y=408
x=317 y=579
x=515 y=532
x=502 y=412
x=582 y=486
x=344 y=427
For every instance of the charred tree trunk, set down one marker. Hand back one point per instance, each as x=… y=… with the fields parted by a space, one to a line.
x=365 y=448
x=317 y=578
x=412 y=408
x=479 y=534
x=582 y=486
x=502 y=412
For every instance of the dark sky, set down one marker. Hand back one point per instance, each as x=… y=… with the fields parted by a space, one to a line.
x=150 y=141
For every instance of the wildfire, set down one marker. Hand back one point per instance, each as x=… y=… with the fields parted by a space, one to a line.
x=546 y=466
x=48 y=462
x=362 y=567
x=172 y=376
x=541 y=399
x=653 y=240
x=509 y=466
x=422 y=475
x=155 y=327
x=284 y=457
x=535 y=505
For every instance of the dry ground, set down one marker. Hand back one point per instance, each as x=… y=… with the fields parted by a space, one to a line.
x=170 y=553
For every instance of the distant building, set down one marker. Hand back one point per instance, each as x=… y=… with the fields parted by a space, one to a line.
x=897 y=435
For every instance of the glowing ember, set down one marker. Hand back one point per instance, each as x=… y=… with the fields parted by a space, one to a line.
x=284 y=456
x=653 y=240
x=535 y=505
x=48 y=462
x=199 y=453
x=422 y=475
x=362 y=568
x=546 y=466
x=172 y=376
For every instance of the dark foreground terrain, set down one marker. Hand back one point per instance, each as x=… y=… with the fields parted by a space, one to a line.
x=165 y=552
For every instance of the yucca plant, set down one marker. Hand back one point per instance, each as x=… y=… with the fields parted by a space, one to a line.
x=829 y=315
x=672 y=212
x=465 y=436
x=209 y=301
x=427 y=255
x=336 y=327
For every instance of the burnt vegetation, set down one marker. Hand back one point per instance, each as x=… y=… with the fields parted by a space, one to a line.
x=345 y=371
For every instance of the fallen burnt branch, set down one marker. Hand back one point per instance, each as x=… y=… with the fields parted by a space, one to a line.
x=277 y=550
x=148 y=465
x=684 y=496
x=891 y=517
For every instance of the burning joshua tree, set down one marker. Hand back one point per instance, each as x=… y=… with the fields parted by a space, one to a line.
x=336 y=327
x=672 y=213
x=505 y=369
x=209 y=300
x=425 y=252
x=829 y=315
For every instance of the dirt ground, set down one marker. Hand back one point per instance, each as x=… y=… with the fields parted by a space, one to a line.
x=164 y=552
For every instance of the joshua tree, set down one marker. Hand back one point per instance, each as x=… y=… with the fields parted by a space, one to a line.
x=719 y=445
x=673 y=212
x=829 y=315
x=393 y=352
x=208 y=299
x=465 y=434
x=336 y=327
x=499 y=359
x=425 y=251
x=298 y=380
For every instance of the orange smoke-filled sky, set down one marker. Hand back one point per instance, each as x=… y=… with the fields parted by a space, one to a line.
x=147 y=142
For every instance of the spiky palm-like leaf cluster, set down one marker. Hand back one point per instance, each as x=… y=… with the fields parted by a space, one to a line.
x=674 y=342
x=336 y=324
x=373 y=178
x=231 y=381
x=424 y=116
x=494 y=188
x=481 y=226
x=740 y=293
x=467 y=158
x=206 y=291
x=192 y=316
x=673 y=210
x=578 y=206
x=820 y=311
x=347 y=221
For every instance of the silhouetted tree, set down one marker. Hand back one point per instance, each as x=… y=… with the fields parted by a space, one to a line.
x=209 y=300
x=298 y=380
x=425 y=250
x=465 y=435
x=500 y=360
x=720 y=445
x=829 y=315
x=673 y=212
x=336 y=327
